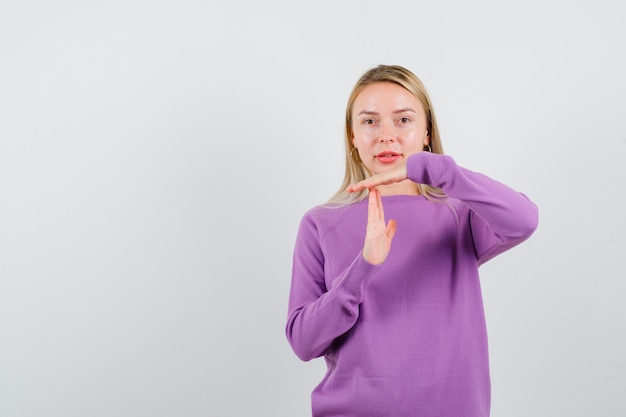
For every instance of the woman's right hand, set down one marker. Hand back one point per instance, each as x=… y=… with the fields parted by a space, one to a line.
x=378 y=235
x=392 y=176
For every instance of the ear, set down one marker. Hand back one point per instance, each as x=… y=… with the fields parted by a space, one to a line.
x=427 y=139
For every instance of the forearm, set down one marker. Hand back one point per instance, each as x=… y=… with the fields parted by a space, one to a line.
x=499 y=217
x=510 y=214
x=317 y=319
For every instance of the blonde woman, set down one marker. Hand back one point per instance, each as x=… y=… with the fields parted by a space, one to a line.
x=395 y=306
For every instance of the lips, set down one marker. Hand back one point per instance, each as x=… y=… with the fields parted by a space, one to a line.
x=388 y=157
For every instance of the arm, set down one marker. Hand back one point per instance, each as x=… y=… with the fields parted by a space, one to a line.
x=500 y=217
x=317 y=315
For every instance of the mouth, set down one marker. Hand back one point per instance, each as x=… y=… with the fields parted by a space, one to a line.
x=388 y=157
x=387 y=154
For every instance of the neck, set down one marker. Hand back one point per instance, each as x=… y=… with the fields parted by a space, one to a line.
x=406 y=187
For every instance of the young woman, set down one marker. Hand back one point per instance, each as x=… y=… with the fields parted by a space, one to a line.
x=395 y=307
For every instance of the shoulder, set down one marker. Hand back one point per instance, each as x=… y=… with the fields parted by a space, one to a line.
x=328 y=216
x=329 y=213
x=459 y=206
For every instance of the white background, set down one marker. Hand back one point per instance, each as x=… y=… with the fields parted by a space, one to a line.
x=156 y=158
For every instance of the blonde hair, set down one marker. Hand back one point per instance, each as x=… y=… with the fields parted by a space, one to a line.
x=355 y=170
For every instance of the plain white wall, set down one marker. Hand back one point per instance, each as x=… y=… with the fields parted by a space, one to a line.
x=156 y=158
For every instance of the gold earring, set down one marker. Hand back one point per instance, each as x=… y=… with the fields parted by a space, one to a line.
x=428 y=148
x=358 y=159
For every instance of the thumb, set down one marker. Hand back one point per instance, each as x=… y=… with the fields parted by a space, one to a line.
x=391 y=229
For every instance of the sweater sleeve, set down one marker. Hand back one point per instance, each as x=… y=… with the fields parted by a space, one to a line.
x=317 y=315
x=500 y=217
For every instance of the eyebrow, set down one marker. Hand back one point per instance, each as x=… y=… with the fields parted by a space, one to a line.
x=404 y=110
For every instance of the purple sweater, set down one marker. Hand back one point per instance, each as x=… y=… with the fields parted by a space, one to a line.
x=407 y=337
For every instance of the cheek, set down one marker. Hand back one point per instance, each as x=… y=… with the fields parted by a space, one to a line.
x=364 y=140
x=416 y=142
x=359 y=139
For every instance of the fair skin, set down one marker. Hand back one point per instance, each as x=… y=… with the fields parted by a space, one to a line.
x=389 y=124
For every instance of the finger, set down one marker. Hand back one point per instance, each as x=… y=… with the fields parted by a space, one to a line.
x=375 y=217
x=373 y=181
x=370 y=183
x=397 y=174
x=353 y=188
x=372 y=208
x=379 y=206
x=392 y=227
x=372 y=197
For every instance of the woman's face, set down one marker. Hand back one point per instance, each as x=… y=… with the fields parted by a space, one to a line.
x=388 y=125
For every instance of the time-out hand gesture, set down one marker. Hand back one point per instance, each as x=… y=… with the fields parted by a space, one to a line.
x=394 y=175
x=378 y=235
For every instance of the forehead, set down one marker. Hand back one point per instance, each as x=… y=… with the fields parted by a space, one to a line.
x=385 y=96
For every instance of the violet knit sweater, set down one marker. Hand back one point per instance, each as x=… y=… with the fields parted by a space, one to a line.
x=406 y=338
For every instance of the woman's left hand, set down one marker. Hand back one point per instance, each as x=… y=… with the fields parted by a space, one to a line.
x=378 y=235
x=396 y=174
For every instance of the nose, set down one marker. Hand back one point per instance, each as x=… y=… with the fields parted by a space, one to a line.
x=387 y=133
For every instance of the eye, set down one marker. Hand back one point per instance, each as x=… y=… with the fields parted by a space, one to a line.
x=404 y=120
x=369 y=121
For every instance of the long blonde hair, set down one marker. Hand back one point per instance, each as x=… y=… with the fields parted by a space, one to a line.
x=355 y=170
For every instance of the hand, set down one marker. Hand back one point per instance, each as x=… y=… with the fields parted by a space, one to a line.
x=396 y=174
x=378 y=236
